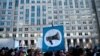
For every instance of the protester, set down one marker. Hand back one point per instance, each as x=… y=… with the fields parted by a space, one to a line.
x=97 y=53
x=72 y=51
x=38 y=52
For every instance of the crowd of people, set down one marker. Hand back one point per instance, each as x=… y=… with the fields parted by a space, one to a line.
x=72 y=51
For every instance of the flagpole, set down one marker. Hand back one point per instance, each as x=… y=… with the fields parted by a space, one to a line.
x=53 y=26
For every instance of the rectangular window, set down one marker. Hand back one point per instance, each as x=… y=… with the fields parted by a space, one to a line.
x=21 y=18
x=84 y=22
x=55 y=11
x=38 y=1
x=14 y=29
x=55 y=17
x=73 y=28
x=26 y=42
x=38 y=21
x=20 y=29
x=32 y=35
x=85 y=27
x=21 y=7
x=81 y=4
x=10 y=5
x=49 y=17
x=32 y=14
x=4 y=5
x=87 y=3
x=27 y=1
x=60 y=3
x=1 y=23
x=16 y=3
x=32 y=21
x=1 y=29
x=54 y=2
x=86 y=33
x=26 y=21
x=10 y=12
x=68 y=34
x=44 y=8
x=27 y=11
x=15 y=12
x=67 y=27
x=2 y=18
x=9 y=23
x=80 y=33
x=65 y=3
x=32 y=1
x=20 y=35
x=26 y=35
x=21 y=12
x=76 y=4
x=15 y=17
x=91 y=27
x=38 y=28
x=27 y=14
x=79 y=27
x=9 y=18
x=0 y=3
x=32 y=42
x=22 y=1
x=8 y=29
x=60 y=11
x=26 y=29
x=38 y=11
x=44 y=21
x=90 y=22
x=3 y=11
x=33 y=8
x=44 y=1
x=49 y=1
x=14 y=35
x=71 y=3
x=77 y=11
x=44 y=14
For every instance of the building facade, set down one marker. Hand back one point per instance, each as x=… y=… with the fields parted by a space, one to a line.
x=28 y=17
x=96 y=5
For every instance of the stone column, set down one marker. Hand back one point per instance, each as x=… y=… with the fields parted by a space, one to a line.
x=72 y=42
x=78 y=41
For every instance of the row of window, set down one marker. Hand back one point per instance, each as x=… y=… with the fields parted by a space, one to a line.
x=32 y=1
x=80 y=41
x=38 y=29
x=20 y=29
x=73 y=34
x=76 y=22
x=67 y=34
x=4 y=5
x=26 y=42
x=73 y=12
x=6 y=12
x=72 y=3
x=8 y=23
x=80 y=27
x=80 y=34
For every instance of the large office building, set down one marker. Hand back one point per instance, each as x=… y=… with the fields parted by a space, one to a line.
x=96 y=7
x=24 y=20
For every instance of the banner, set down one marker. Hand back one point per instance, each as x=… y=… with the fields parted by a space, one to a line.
x=53 y=39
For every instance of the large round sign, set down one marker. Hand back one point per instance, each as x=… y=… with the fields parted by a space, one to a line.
x=53 y=38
